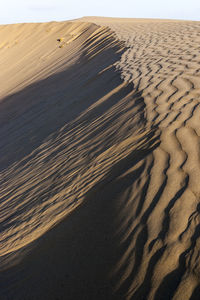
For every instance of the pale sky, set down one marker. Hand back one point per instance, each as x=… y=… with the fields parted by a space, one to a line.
x=19 y=11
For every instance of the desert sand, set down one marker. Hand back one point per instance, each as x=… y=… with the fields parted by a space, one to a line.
x=100 y=160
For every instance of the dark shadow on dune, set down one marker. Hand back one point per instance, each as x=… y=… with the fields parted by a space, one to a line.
x=28 y=117
x=74 y=260
x=166 y=220
x=195 y=294
x=170 y=283
x=143 y=291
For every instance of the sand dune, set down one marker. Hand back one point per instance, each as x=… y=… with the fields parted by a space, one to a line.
x=99 y=160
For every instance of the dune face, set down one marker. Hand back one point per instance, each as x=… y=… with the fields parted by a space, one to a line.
x=99 y=160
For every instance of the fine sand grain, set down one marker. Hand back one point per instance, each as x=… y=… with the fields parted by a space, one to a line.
x=100 y=160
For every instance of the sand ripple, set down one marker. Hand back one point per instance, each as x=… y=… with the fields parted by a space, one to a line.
x=101 y=136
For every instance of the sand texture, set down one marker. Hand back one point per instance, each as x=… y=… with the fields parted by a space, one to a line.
x=100 y=160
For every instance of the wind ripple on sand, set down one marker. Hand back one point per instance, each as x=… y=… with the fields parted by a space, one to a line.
x=162 y=61
x=131 y=157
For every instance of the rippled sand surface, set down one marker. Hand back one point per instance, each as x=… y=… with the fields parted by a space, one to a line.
x=100 y=160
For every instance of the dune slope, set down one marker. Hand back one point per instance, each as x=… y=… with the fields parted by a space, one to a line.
x=99 y=160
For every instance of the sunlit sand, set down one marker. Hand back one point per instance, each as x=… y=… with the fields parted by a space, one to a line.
x=100 y=160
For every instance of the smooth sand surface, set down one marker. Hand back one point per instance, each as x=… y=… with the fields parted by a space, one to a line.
x=100 y=160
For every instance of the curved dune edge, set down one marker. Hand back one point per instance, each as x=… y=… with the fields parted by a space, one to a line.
x=43 y=134
x=162 y=60
x=108 y=142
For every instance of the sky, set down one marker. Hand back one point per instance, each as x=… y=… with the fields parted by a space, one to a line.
x=20 y=11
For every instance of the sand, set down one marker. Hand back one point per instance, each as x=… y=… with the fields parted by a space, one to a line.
x=100 y=160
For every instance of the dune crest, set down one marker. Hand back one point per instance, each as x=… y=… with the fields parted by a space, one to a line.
x=99 y=160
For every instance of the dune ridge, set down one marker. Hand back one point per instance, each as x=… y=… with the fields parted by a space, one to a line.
x=100 y=160
x=17 y=176
x=162 y=61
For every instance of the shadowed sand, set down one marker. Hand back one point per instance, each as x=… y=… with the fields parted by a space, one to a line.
x=99 y=160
